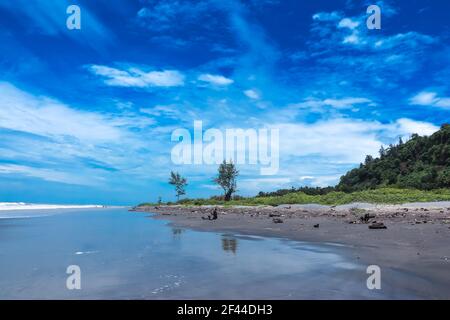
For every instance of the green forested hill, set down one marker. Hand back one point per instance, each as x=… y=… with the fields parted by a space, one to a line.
x=421 y=163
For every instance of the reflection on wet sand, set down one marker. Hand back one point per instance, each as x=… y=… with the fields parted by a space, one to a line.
x=176 y=232
x=149 y=259
x=229 y=244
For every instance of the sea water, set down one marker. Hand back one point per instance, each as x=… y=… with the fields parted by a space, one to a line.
x=129 y=255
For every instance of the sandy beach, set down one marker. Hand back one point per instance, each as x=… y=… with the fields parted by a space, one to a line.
x=413 y=251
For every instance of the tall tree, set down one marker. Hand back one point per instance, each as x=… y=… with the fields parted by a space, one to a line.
x=368 y=160
x=179 y=182
x=226 y=178
x=382 y=152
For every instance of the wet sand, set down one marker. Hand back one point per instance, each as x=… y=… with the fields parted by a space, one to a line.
x=124 y=255
x=413 y=252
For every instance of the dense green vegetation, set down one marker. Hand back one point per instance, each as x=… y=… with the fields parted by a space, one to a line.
x=381 y=195
x=421 y=163
x=312 y=191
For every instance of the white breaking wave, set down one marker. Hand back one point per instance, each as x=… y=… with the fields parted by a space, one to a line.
x=6 y=206
x=85 y=252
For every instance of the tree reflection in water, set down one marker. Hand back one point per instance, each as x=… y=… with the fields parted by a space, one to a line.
x=229 y=244
x=176 y=232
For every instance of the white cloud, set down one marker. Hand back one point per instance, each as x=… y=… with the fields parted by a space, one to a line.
x=168 y=111
x=348 y=23
x=338 y=140
x=54 y=142
x=178 y=112
x=252 y=94
x=343 y=140
x=443 y=103
x=343 y=103
x=346 y=103
x=406 y=127
x=410 y=39
x=327 y=16
x=217 y=80
x=424 y=98
x=428 y=98
x=330 y=27
x=321 y=180
x=352 y=39
x=46 y=174
x=263 y=184
x=44 y=116
x=134 y=77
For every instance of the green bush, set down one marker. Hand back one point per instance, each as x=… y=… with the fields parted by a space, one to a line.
x=381 y=195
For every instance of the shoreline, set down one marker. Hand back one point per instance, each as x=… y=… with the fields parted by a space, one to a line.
x=15 y=206
x=413 y=252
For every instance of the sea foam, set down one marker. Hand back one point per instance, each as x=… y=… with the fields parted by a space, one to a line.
x=6 y=206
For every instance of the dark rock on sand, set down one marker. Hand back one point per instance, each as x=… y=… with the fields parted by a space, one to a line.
x=277 y=220
x=377 y=225
x=212 y=216
x=367 y=217
x=274 y=214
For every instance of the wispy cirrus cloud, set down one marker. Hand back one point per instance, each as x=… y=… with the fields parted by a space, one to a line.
x=170 y=111
x=252 y=94
x=342 y=103
x=327 y=16
x=335 y=30
x=342 y=58
x=47 y=139
x=217 y=80
x=348 y=23
x=139 y=78
x=52 y=175
x=430 y=98
x=48 y=18
x=164 y=15
x=44 y=116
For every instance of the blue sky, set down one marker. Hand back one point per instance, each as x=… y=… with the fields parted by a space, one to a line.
x=86 y=115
